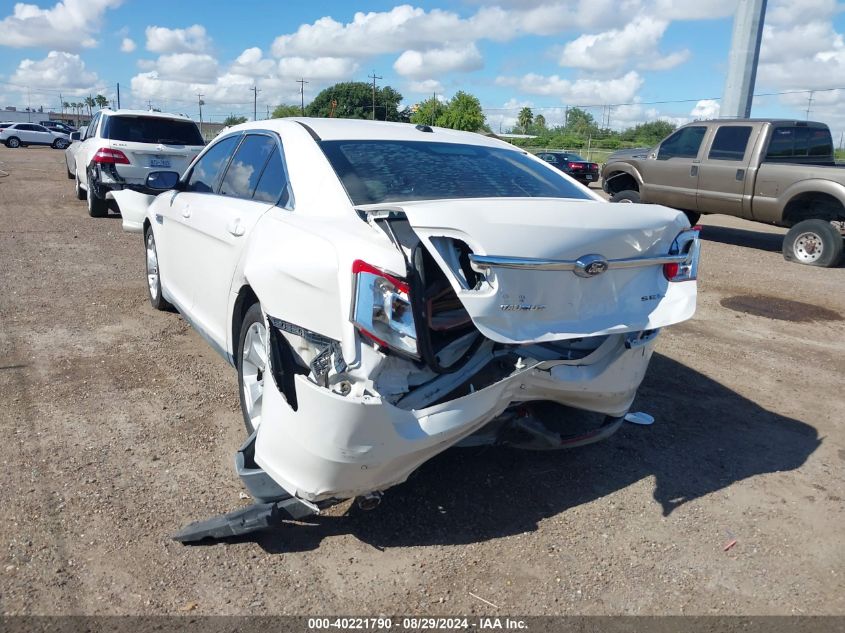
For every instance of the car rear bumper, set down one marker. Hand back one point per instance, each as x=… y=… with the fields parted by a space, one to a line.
x=341 y=447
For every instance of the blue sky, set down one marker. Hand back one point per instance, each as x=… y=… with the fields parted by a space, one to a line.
x=547 y=54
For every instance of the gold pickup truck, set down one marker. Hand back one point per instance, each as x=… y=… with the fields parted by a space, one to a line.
x=774 y=171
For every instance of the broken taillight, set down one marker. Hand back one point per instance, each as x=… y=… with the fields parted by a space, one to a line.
x=686 y=243
x=111 y=156
x=382 y=309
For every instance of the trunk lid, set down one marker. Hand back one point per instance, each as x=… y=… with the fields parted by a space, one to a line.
x=515 y=302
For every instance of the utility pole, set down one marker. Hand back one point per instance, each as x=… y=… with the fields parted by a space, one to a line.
x=255 y=91
x=149 y=104
x=810 y=103
x=434 y=108
x=374 y=77
x=118 y=95
x=201 y=103
x=301 y=81
x=743 y=58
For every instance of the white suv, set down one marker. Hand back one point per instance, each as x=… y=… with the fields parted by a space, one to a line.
x=23 y=134
x=120 y=147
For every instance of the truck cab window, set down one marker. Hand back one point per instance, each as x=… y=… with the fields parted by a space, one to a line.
x=730 y=142
x=684 y=143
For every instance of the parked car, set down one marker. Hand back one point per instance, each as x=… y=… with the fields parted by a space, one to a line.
x=24 y=134
x=779 y=172
x=60 y=127
x=580 y=169
x=120 y=147
x=386 y=291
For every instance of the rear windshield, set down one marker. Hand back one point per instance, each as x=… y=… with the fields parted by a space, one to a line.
x=387 y=171
x=140 y=129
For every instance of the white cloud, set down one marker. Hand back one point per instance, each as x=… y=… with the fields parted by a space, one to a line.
x=437 y=61
x=634 y=45
x=187 y=67
x=705 y=109
x=68 y=25
x=317 y=67
x=252 y=63
x=127 y=45
x=59 y=70
x=582 y=91
x=193 y=39
x=426 y=87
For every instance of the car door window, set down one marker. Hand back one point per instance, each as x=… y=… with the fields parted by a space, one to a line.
x=247 y=165
x=92 y=127
x=205 y=175
x=730 y=142
x=684 y=143
x=273 y=185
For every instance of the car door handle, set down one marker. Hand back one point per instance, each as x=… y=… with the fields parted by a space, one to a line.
x=693 y=171
x=236 y=228
x=186 y=211
x=740 y=174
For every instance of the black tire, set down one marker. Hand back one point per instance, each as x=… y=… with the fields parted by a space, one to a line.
x=70 y=176
x=13 y=142
x=813 y=243
x=60 y=143
x=80 y=192
x=97 y=207
x=252 y=316
x=693 y=217
x=627 y=195
x=154 y=293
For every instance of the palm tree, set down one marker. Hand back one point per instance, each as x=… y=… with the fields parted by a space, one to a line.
x=89 y=101
x=101 y=101
x=65 y=106
x=525 y=118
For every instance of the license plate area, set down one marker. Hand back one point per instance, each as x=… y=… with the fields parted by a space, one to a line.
x=159 y=162
x=589 y=176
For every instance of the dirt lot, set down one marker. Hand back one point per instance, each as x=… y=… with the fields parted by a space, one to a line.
x=119 y=426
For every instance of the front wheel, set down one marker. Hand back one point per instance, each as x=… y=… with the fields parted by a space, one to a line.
x=628 y=195
x=813 y=242
x=153 y=273
x=252 y=366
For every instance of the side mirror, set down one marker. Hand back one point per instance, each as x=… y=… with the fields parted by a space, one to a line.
x=162 y=180
x=74 y=136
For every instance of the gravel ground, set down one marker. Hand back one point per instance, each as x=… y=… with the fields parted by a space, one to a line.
x=120 y=424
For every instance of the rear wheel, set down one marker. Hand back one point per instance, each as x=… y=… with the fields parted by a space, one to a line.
x=153 y=274
x=627 y=195
x=80 y=192
x=252 y=366
x=70 y=176
x=814 y=243
x=60 y=143
x=97 y=207
x=13 y=142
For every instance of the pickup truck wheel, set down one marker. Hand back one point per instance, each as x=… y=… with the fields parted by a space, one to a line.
x=97 y=207
x=153 y=273
x=252 y=366
x=628 y=195
x=813 y=242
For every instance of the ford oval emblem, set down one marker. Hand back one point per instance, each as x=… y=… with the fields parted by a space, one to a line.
x=590 y=265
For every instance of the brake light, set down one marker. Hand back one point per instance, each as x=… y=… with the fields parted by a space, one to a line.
x=686 y=243
x=574 y=165
x=111 y=156
x=382 y=309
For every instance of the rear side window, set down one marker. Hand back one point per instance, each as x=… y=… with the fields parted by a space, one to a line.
x=247 y=165
x=273 y=184
x=141 y=129
x=206 y=173
x=796 y=142
x=684 y=143
x=730 y=142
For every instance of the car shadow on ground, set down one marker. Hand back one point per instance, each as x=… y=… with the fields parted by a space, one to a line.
x=772 y=242
x=706 y=438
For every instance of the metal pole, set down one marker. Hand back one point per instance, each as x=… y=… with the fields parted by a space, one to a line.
x=118 y=96
x=374 y=77
x=743 y=58
x=200 y=101
x=255 y=91
x=301 y=81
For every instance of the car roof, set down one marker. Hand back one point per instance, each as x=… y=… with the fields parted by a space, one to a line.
x=145 y=113
x=324 y=129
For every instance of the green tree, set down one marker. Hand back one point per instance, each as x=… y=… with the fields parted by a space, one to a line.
x=525 y=119
x=428 y=112
x=65 y=106
x=648 y=133
x=463 y=113
x=285 y=110
x=580 y=122
x=89 y=101
x=101 y=101
x=540 y=124
x=234 y=120
x=355 y=101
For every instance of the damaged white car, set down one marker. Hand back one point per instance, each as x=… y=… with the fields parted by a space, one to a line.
x=387 y=291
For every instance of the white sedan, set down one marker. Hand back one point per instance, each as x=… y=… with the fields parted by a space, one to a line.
x=387 y=291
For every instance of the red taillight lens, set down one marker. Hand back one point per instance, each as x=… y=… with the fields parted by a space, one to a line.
x=574 y=165
x=111 y=156
x=670 y=271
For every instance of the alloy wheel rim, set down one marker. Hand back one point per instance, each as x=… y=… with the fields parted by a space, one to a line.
x=14 y=142
x=808 y=247
x=152 y=266
x=253 y=368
